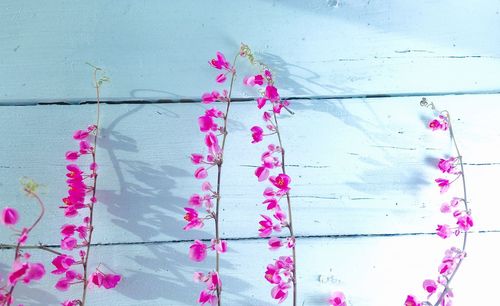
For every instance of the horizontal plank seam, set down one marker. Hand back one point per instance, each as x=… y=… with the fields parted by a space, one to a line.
x=298 y=237
x=290 y=98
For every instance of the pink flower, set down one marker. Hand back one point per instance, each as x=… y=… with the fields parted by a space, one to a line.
x=412 y=301
x=253 y=80
x=465 y=222
x=198 y=251
x=443 y=183
x=272 y=203
x=192 y=218
x=196 y=158
x=85 y=147
x=261 y=102
x=220 y=78
x=18 y=271
x=62 y=284
x=111 y=280
x=207 y=296
x=195 y=200
x=272 y=93
x=68 y=230
x=206 y=186
x=210 y=97
x=280 y=292
x=35 y=272
x=443 y=231
x=267 y=227
x=337 y=298
x=281 y=181
x=219 y=247
x=430 y=286
x=212 y=143
x=72 y=155
x=68 y=243
x=262 y=173
x=62 y=263
x=220 y=62
x=272 y=274
x=108 y=281
x=257 y=134
x=23 y=237
x=200 y=173
x=445 y=208
x=274 y=243
x=447 y=165
x=9 y=216
x=80 y=135
x=439 y=124
x=206 y=123
x=71 y=303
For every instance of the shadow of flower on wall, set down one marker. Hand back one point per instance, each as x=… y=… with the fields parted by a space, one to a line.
x=145 y=206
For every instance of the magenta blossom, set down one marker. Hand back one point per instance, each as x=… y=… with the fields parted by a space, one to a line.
x=62 y=263
x=9 y=216
x=465 y=222
x=200 y=173
x=443 y=183
x=430 y=286
x=439 y=124
x=337 y=298
x=443 y=231
x=447 y=165
x=192 y=218
x=280 y=291
x=220 y=62
x=257 y=134
x=281 y=181
x=198 y=251
x=108 y=281
x=412 y=301
x=210 y=97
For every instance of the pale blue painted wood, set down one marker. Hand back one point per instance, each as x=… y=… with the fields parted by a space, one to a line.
x=361 y=167
x=375 y=271
x=159 y=49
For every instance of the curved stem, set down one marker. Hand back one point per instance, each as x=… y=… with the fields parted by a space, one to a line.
x=28 y=230
x=290 y=224
x=219 y=172
x=91 y=205
x=452 y=135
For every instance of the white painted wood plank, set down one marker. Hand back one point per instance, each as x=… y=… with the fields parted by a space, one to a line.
x=159 y=49
x=358 y=166
x=371 y=271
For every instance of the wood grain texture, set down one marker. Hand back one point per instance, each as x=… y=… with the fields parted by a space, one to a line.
x=159 y=49
x=371 y=271
x=362 y=167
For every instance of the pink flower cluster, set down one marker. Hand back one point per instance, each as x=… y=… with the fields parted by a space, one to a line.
x=447 y=267
x=81 y=196
x=440 y=123
x=280 y=274
x=212 y=282
x=463 y=220
x=201 y=207
x=22 y=269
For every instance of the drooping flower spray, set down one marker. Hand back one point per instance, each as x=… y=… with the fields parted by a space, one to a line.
x=282 y=274
x=22 y=269
x=215 y=133
x=458 y=208
x=81 y=199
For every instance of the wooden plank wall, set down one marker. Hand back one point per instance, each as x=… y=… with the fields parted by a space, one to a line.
x=365 y=206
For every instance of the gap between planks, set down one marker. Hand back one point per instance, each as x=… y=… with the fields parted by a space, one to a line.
x=301 y=237
x=319 y=97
